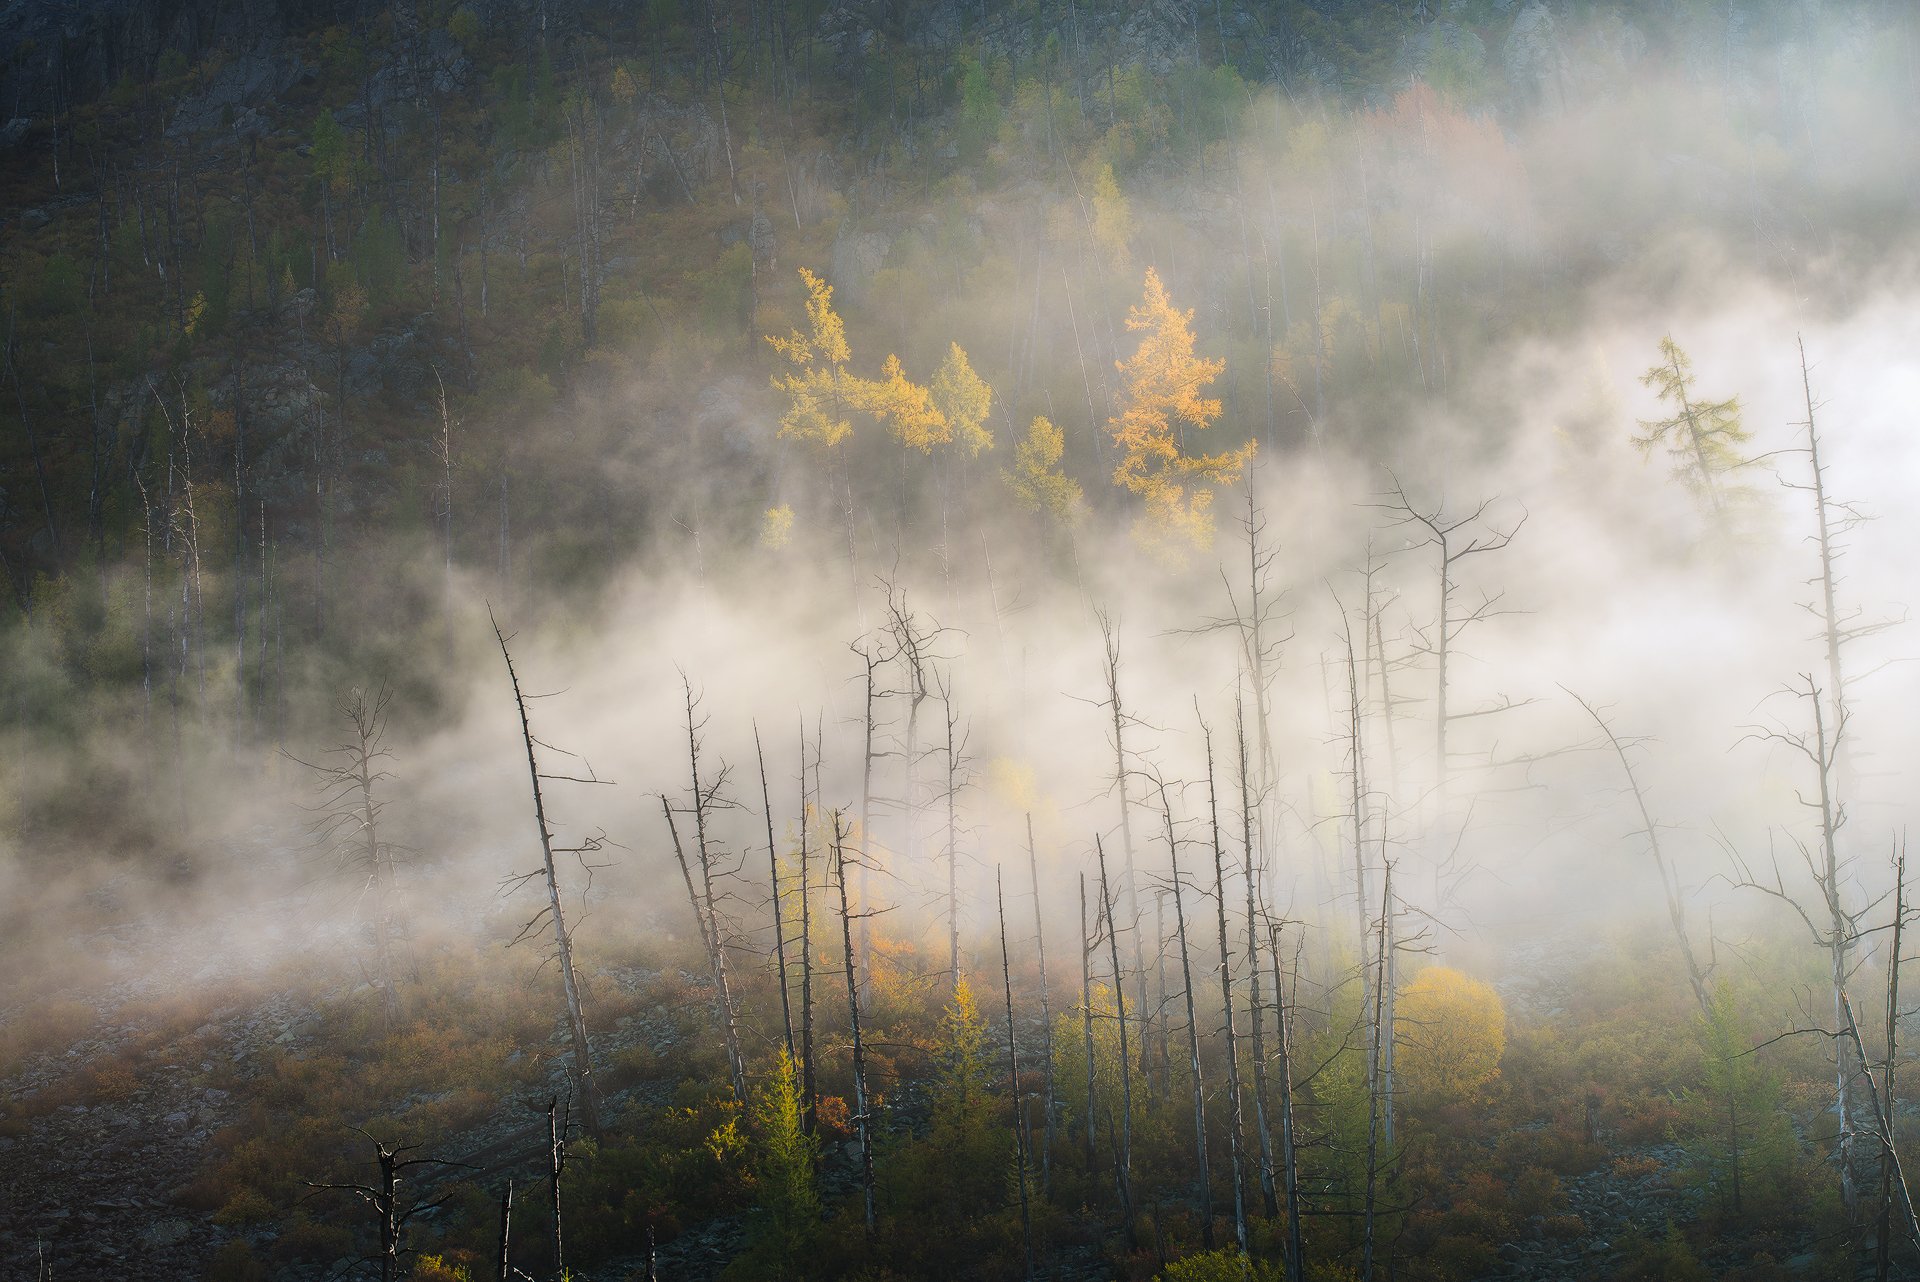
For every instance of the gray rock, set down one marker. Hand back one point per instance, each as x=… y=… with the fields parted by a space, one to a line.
x=165 y=1233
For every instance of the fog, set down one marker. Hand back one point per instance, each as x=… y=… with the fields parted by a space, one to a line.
x=1686 y=627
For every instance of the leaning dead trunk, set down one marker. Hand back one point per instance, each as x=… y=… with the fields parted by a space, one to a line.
x=716 y=954
x=1013 y=1079
x=1289 y=1155
x=1373 y=1091
x=779 y=908
x=1268 y=1196
x=809 y=1095
x=1087 y=945
x=1193 y=1032
x=1046 y=1021
x=1235 y=1129
x=1124 y=1157
x=506 y=1227
x=1112 y=644
x=863 y=1110
x=1883 y=1236
x=716 y=940
x=562 y=937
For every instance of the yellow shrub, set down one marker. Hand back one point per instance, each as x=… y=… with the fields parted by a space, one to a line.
x=1450 y=1030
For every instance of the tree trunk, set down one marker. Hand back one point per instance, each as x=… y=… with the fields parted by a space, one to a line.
x=1269 y=1200
x=1124 y=1157
x=562 y=938
x=1013 y=1080
x=863 y=1109
x=736 y=1062
x=1289 y=1155
x=1193 y=1031
x=779 y=911
x=1235 y=1127
x=1046 y=1020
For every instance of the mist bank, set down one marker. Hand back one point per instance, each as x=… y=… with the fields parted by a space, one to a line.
x=1446 y=290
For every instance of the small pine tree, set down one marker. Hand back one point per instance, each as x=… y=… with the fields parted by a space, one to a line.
x=1037 y=478
x=785 y=1157
x=1703 y=437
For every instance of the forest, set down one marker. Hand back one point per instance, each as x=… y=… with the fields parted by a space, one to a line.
x=1006 y=639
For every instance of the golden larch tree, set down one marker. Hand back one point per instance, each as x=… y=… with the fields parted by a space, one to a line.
x=819 y=388
x=1036 y=476
x=1161 y=388
x=965 y=400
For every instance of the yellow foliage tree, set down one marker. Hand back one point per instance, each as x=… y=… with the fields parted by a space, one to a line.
x=906 y=407
x=820 y=388
x=1112 y=216
x=1161 y=386
x=964 y=399
x=1450 y=1031
x=1036 y=476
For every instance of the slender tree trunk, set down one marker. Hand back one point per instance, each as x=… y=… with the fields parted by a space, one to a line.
x=863 y=1109
x=562 y=937
x=1086 y=1018
x=502 y=1274
x=717 y=941
x=1013 y=1079
x=1289 y=1154
x=1111 y=638
x=556 y=1164
x=1883 y=1236
x=1269 y=1199
x=1193 y=1031
x=1046 y=1019
x=1124 y=1158
x=1236 y=1131
x=953 y=848
x=809 y=1096
x=779 y=911
x=1373 y=1094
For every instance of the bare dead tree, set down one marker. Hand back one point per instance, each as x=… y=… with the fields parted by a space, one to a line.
x=913 y=651
x=956 y=742
x=558 y=1120
x=779 y=906
x=1289 y=1154
x=347 y=826
x=1883 y=1233
x=1455 y=541
x=711 y=940
x=1110 y=638
x=1834 y=519
x=1375 y=1094
x=1834 y=925
x=1013 y=1079
x=1236 y=1130
x=1256 y=1031
x=553 y=913
x=809 y=1089
x=1087 y=946
x=1046 y=1020
x=1882 y=1121
x=706 y=797
x=871 y=657
x=1123 y=1158
x=863 y=1115
x=1669 y=880
x=1193 y=1023
x=506 y=1230
x=391 y=1214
